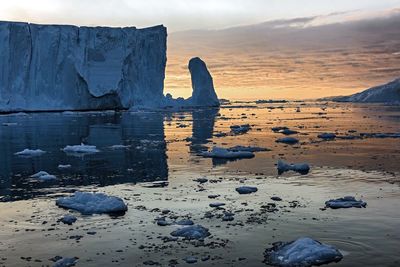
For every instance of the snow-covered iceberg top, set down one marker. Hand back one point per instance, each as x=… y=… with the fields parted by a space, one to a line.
x=303 y=252
x=91 y=203
x=80 y=149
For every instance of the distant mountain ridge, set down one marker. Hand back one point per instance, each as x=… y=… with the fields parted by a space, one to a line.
x=387 y=93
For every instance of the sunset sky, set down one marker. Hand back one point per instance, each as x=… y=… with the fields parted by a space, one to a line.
x=333 y=47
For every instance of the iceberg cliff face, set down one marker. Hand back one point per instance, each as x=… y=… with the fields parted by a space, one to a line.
x=60 y=67
x=387 y=93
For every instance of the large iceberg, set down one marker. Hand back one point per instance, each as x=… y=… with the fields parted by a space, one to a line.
x=62 y=67
x=387 y=93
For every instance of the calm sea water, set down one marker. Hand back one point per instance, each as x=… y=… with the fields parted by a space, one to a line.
x=166 y=146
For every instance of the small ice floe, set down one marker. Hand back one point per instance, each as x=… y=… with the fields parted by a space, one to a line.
x=327 y=136
x=117 y=147
x=288 y=132
x=228 y=217
x=44 y=176
x=91 y=203
x=201 y=180
x=190 y=259
x=192 y=232
x=240 y=129
x=69 y=113
x=244 y=190
x=64 y=166
x=303 y=252
x=65 y=262
x=30 y=152
x=380 y=135
x=156 y=184
x=162 y=221
x=185 y=222
x=283 y=130
x=345 y=202
x=279 y=128
x=302 y=168
x=80 y=149
x=287 y=140
x=68 y=219
x=216 y=204
x=10 y=123
x=248 y=148
x=223 y=153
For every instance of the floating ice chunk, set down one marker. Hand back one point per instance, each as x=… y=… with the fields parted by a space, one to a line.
x=345 y=202
x=244 y=190
x=68 y=219
x=190 y=259
x=240 y=129
x=90 y=203
x=156 y=184
x=303 y=252
x=192 y=232
x=64 y=167
x=223 y=153
x=10 y=123
x=30 y=152
x=44 y=176
x=80 y=149
x=248 y=148
x=201 y=180
x=302 y=168
x=216 y=204
x=115 y=147
x=380 y=135
x=288 y=132
x=65 y=262
x=185 y=222
x=287 y=140
x=279 y=128
x=327 y=136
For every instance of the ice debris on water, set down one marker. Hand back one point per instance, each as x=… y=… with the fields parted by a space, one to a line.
x=327 y=136
x=44 y=176
x=192 y=232
x=223 y=153
x=302 y=168
x=80 y=149
x=68 y=219
x=287 y=140
x=91 y=203
x=303 y=252
x=243 y=190
x=65 y=262
x=64 y=166
x=240 y=129
x=345 y=202
x=30 y=152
